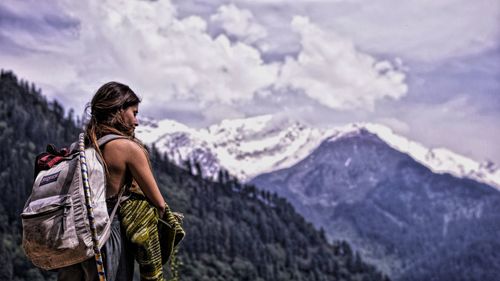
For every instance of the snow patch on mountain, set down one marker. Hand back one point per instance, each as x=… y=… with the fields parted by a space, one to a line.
x=244 y=147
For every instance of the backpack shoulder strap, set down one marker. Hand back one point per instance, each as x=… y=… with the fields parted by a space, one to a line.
x=107 y=138
x=115 y=208
x=102 y=141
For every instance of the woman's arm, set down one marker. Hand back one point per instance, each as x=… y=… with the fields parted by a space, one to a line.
x=138 y=164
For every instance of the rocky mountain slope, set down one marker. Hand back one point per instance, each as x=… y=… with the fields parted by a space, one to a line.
x=412 y=222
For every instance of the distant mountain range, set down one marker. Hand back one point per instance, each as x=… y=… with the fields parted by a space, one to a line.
x=262 y=144
x=418 y=213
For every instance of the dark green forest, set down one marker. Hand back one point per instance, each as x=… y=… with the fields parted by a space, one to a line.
x=234 y=231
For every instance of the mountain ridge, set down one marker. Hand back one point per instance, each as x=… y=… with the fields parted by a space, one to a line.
x=268 y=143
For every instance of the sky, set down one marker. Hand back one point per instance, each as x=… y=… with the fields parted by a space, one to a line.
x=430 y=70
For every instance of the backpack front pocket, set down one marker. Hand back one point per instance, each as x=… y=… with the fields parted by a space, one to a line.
x=48 y=225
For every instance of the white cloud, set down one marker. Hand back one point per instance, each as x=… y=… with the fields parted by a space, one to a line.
x=423 y=30
x=239 y=23
x=331 y=71
x=143 y=44
x=420 y=30
x=166 y=60
x=176 y=59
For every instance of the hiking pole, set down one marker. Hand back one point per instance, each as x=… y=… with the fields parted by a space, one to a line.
x=90 y=211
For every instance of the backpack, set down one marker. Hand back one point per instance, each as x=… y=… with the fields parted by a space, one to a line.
x=56 y=227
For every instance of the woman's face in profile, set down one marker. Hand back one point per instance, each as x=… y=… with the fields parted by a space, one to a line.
x=129 y=115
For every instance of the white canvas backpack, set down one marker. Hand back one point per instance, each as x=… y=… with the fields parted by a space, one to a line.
x=56 y=227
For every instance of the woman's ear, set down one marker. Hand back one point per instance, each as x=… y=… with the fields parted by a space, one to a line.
x=120 y=112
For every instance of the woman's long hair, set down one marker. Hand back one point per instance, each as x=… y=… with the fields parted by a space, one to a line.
x=105 y=114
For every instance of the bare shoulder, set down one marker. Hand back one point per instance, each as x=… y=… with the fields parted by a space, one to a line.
x=118 y=144
x=123 y=146
x=123 y=150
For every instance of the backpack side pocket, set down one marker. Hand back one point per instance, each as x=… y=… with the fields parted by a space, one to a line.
x=48 y=226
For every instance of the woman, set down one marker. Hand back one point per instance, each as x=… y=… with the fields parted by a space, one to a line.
x=114 y=110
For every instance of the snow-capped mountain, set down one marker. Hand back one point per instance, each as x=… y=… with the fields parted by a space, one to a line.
x=252 y=146
x=439 y=160
x=244 y=147
x=361 y=183
x=400 y=215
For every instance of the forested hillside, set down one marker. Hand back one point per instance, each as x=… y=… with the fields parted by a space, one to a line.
x=27 y=123
x=234 y=231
